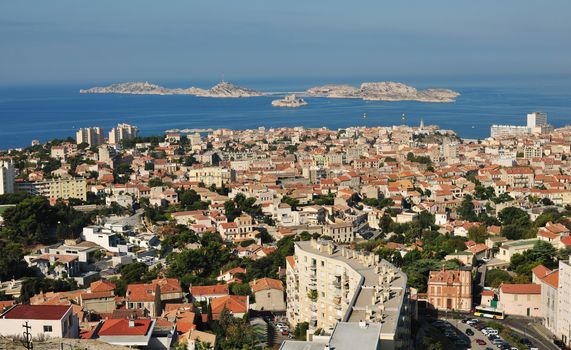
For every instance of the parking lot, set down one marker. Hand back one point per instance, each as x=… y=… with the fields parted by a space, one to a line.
x=455 y=331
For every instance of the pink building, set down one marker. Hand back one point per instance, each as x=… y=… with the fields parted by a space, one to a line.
x=521 y=299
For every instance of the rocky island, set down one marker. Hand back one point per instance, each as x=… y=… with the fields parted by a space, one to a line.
x=220 y=90
x=289 y=101
x=383 y=91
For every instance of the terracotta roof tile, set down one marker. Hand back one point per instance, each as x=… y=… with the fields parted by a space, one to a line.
x=120 y=327
x=36 y=312
x=529 y=288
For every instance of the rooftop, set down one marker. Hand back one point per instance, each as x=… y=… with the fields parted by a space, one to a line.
x=36 y=312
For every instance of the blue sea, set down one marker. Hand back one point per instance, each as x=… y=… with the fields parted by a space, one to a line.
x=48 y=112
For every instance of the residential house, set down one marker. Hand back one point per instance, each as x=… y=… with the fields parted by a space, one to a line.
x=521 y=299
x=450 y=290
x=206 y=293
x=269 y=294
x=51 y=321
x=146 y=296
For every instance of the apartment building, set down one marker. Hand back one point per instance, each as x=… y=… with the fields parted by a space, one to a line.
x=564 y=303
x=57 y=188
x=518 y=177
x=122 y=132
x=450 y=290
x=7 y=174
x=328 y=284
x=92 y=136
x=341 y=232
x=212 y=175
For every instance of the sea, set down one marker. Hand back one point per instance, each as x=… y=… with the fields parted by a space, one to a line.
x=46 y=112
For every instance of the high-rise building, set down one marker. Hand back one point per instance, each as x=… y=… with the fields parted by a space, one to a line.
x=92 y=136
x=122 y=132
x=328 y=284
x=7 y=175
x=564 y=303
x=536 y=119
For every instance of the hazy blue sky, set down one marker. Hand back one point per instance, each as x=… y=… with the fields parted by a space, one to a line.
x=116 y=40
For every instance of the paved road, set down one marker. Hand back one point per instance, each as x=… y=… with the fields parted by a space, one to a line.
x=525 y=328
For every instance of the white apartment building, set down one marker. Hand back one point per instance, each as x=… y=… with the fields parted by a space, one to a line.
x=564 y=303
x=328 y=284
x=122 y=132
x=106 y=238
x=508 y=130
x=536 y=119
x=92 y=136
x=7 y=174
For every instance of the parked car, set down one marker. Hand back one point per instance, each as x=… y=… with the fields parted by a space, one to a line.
x=472 y=322
x=469 y=332
x=480 y=342
x=479 y=326
x=285 y=332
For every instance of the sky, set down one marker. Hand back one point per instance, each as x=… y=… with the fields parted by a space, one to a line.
x=80 y=41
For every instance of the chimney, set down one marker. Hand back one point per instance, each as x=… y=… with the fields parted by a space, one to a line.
x=363 y=324
x=131 y=323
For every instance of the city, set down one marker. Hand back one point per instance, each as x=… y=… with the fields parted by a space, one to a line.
x=402 y=237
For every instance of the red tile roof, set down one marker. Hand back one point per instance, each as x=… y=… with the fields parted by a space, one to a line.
x=141 y=292
x=552 y=279
x=102 y=286
x=236 y=304
x=168 y=285
x=540 y=271
x=216 y=289
x=291 y=261
x=119 y=327
x=265 y=284
x=529 y=288
x=36 y=312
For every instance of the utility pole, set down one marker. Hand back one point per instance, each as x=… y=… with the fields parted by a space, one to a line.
x=27 y=341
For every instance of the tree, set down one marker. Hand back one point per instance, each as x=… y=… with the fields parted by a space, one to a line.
x=240 y=289
x=300 y=330
x=478 y=234
x=134 y=272
x=466 y=209
x=495 y=277
x=514 y=216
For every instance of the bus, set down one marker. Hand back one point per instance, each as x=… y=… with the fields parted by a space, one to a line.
x=489 y=312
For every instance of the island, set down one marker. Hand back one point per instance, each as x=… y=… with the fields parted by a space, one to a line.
x=220 y=90
x=383 y=91
x=289 y=101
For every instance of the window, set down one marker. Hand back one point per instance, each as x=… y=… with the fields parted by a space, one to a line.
x=47 y=329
